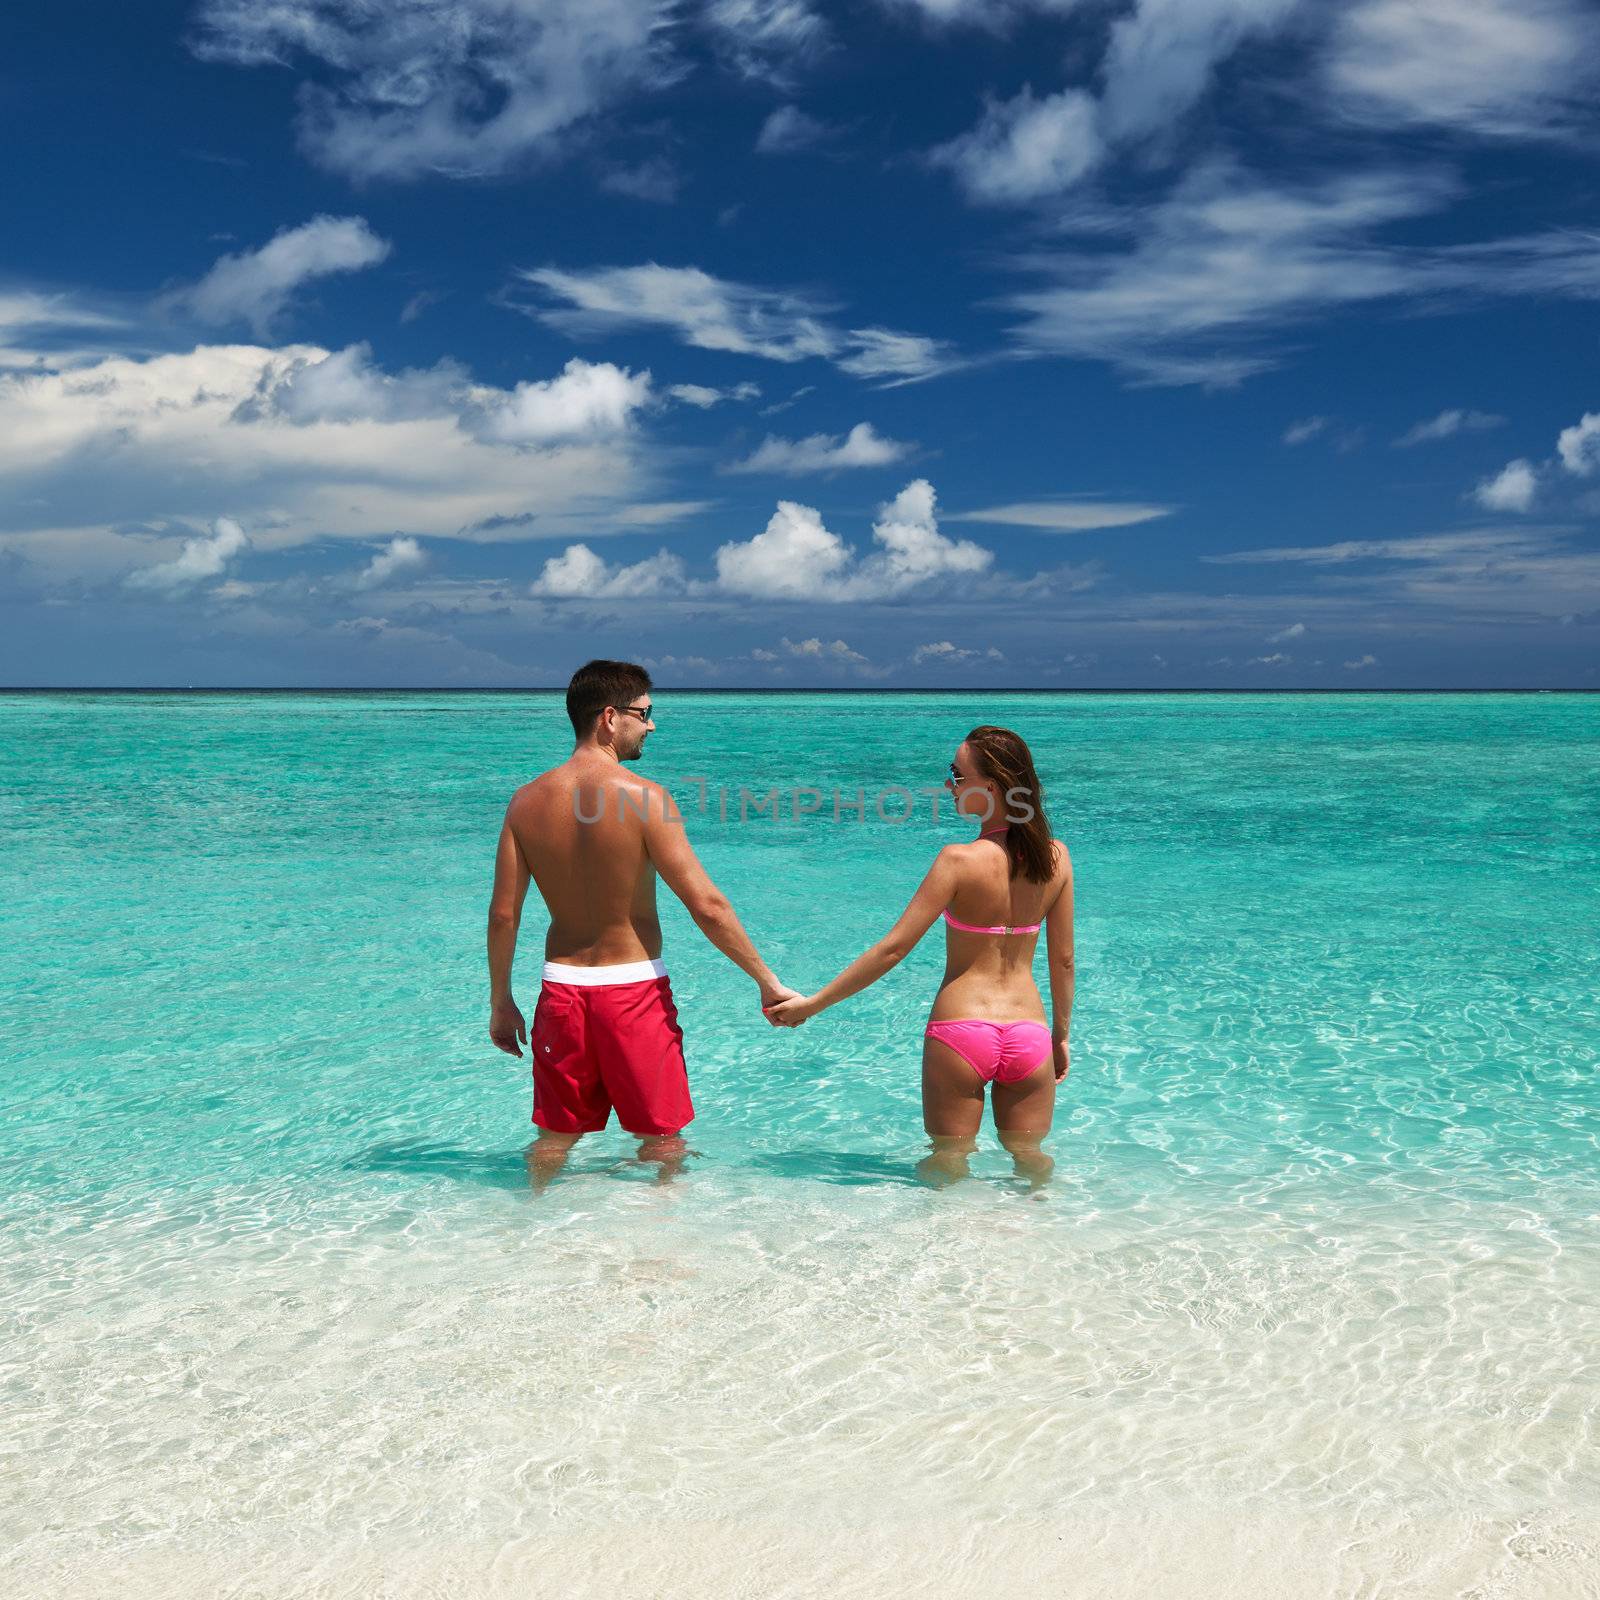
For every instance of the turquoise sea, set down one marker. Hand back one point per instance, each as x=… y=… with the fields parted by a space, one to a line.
x=1308 y=1309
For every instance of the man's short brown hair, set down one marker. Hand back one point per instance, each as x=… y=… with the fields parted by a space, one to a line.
x=598 y=684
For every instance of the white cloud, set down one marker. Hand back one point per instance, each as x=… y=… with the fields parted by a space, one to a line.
x=1226 y=257
x=713 y=313
x=1066 y=516
x=1361 y=663
x=901 y=357
x=1446 y=425
x=1579 y=446
x=656 y=179
x=706 y=312
x=255 y=286
x=1024 y=149
x=1511 y=489
x=949 y=654
x=794 y=558
x=206 y=556
x=1159 y=63
x=401 y=554
x=816 y=650
x=1504 y=68
x=587 y=401
x=469 y=88
x=42 y=318
x=1305 y=430
x=303 y=443
x=991 y=15
x=703 y=397
x=766 y=38
x=863 y=446
x=1276 y=659
x=1474 y=547
x=345 y=386
x=789 y=129
x=797 y=558
x=1163 y=53
x=1295 y=630
x=578 y=573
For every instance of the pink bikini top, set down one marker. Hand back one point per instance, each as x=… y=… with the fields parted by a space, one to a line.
x=969 y=927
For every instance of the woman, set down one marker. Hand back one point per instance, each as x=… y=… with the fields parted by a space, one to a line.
x=988 y=1023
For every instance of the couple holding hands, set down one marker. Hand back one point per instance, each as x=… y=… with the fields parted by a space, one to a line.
x=594 y=838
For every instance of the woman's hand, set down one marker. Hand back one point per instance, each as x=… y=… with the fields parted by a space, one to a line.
x=792 y=1012
x=1058 y=1054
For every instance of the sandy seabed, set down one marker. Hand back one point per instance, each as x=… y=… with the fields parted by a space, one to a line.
x=1198 y=1553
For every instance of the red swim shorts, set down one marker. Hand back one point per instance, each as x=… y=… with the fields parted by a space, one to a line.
x=604 y=1037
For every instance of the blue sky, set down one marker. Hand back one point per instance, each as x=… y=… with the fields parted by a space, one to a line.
x=1077 y=343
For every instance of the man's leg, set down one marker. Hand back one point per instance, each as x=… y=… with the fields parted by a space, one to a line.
x=668 y=1150
x=546 y=1156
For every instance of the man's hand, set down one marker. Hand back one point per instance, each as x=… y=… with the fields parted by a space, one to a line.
x=1058 y=1053
x=506 y=1027
x=792 y=1012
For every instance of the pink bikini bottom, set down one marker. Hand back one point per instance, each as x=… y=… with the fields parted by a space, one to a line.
x=999 y=1052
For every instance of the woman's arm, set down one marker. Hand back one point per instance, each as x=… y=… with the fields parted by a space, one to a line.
x=932 y=896
x=1058 y=942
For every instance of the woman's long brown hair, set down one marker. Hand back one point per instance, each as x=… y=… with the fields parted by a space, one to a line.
x=1004 y=758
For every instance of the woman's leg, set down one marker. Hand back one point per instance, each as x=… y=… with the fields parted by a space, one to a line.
x=1022 y=1113
x=952 y=1112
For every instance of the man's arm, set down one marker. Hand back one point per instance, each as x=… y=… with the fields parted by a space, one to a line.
x=667 y=842
x=506 y=1026
x=1058 y=942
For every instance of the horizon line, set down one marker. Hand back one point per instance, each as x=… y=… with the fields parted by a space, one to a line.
x=767 y=688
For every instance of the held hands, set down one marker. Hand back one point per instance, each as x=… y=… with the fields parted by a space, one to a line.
x=774 y=994
x=792 y=1012
x=506 y=1026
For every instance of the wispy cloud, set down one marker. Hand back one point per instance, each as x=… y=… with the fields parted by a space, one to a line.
x=1227 y=259
x=255 y=286
x=1305 y=430
x=1494 y=68
x=788 y=129
x=468 y=89
x=1446 y=426
x=703 y=396
x=713 y=313
x=1065 y=516
x=863 y=446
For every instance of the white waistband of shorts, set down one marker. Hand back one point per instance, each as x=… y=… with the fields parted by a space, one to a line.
x=623 y=972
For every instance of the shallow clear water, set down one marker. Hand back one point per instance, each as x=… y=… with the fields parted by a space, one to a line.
x=1320 y=1253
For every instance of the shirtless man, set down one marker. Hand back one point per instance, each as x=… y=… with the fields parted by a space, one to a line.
x=593 y=837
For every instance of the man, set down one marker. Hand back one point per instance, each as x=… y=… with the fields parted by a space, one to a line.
x=593 y=837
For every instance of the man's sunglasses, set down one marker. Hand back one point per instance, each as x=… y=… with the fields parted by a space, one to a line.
x=643 y=713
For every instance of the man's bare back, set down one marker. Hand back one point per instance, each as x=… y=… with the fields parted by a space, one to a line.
x=593 y=838
x=580 y=829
